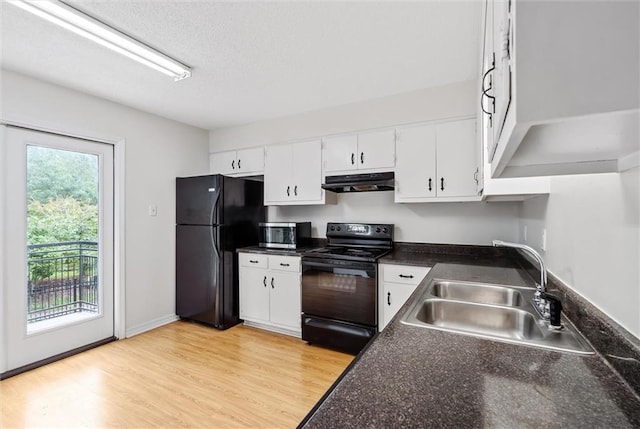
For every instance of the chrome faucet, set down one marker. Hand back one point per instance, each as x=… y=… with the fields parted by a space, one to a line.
x=539 y=300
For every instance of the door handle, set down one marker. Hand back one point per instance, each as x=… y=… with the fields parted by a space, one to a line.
x=361 y=157
x=233 y=164
x=288 y=193
x=295 y=190
x=475 y=175
x=238 y=164
x=442 y=183
x=353 y=158
x=388 y=298
x=430 y=187
x=264 y=281
x=272 y=287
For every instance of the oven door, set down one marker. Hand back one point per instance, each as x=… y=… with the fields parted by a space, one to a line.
x=341 y=290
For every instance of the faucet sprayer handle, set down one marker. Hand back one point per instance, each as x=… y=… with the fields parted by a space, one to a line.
x=555 y=310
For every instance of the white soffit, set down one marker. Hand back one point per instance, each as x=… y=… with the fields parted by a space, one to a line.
x=253 y=60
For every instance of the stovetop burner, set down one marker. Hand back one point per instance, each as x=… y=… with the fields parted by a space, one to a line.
x=355 y=242
x=352 y=253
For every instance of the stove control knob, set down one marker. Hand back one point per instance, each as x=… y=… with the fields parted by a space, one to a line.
x=338 y=228
x=385 y=230
x=332 y=228
x=378 y=229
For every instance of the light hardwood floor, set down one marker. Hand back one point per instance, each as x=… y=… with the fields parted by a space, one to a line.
x=179 y=375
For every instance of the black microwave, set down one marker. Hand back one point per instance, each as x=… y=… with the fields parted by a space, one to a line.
x=285 y=235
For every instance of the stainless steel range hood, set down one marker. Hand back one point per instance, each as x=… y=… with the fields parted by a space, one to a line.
x=366 y=182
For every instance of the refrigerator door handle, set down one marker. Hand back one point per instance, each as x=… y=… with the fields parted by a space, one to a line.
x=214 y=244
x=214 y=206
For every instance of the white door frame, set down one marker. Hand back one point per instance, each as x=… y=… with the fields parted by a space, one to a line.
x=118 y=143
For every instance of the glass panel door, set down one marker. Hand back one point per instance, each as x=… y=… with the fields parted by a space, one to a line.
x=58 y=244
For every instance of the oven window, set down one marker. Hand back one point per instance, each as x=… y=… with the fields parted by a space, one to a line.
x=340 y=293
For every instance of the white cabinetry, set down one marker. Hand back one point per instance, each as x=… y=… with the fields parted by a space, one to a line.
x=437 y=162
x=561 y=86
x=371 y=151
x=243 y=162
x=396 y=284
x=293 y=174
x=270 y=292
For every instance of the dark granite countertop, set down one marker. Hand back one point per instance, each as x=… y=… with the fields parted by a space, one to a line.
x=417 y=377
x=265 y=251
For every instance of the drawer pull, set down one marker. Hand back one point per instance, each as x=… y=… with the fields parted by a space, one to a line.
x=410 y=276
x=389 y=298
x=253 y=261
x=282 y=264
x=272 y=286
x=264 y=281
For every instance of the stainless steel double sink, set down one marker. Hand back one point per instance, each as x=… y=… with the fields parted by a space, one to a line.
x=499 y=312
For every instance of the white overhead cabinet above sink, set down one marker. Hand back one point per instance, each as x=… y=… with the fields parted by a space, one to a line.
x=561 y=87
x=438 y=162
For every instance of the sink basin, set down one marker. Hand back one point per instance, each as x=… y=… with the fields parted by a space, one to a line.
x=498 y=312
x=489 y=320
x=477 y=292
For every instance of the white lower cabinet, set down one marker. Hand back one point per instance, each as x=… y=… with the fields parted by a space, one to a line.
x=396 y=283
x=270 y=292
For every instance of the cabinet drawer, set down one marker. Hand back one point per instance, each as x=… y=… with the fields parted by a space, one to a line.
x=404 y=274
x=284 y=263
x=254 y=260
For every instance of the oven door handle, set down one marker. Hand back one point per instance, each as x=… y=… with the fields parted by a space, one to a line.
x=322 y=265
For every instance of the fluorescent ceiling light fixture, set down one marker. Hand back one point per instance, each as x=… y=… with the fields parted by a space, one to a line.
x=73 y=20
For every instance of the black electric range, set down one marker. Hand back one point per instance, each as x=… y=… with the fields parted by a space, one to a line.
x=339 y=287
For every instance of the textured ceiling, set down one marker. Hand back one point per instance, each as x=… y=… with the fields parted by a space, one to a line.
x=253 y=60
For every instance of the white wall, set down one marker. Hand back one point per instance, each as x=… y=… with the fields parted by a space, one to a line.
x=459 y=223
x=156 y=149
x=462 y=223
x=593 y=239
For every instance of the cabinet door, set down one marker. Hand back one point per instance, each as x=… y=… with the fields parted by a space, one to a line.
x=254 y=294
x=223 y=163
x=416 y=163
x=250 y=160
x=394 y=296
x=377 y=150
x=340 y=153
x=457 y=161
x=307 y=171
x=278 y=174
x=284 y=301
x=503 y=46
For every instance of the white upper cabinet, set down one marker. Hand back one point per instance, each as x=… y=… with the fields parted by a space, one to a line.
x=437 y=162
x=243 y=162
x=561 y=88
x=340 y=153
x=377 y=150
x=371 y=151
x=293 y=174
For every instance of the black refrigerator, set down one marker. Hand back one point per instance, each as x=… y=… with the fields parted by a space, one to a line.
x=214 y=216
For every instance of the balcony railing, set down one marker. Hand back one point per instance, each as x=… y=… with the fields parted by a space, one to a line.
x=63 y=279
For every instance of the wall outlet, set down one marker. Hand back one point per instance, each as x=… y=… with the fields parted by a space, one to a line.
x=153 y=210
x=524 y=234
x=543 y=245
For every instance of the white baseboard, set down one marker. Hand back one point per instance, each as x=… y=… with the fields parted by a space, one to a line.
x=151 y=324
x=278 y=329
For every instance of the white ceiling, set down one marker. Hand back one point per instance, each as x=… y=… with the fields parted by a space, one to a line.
x=253 y=60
